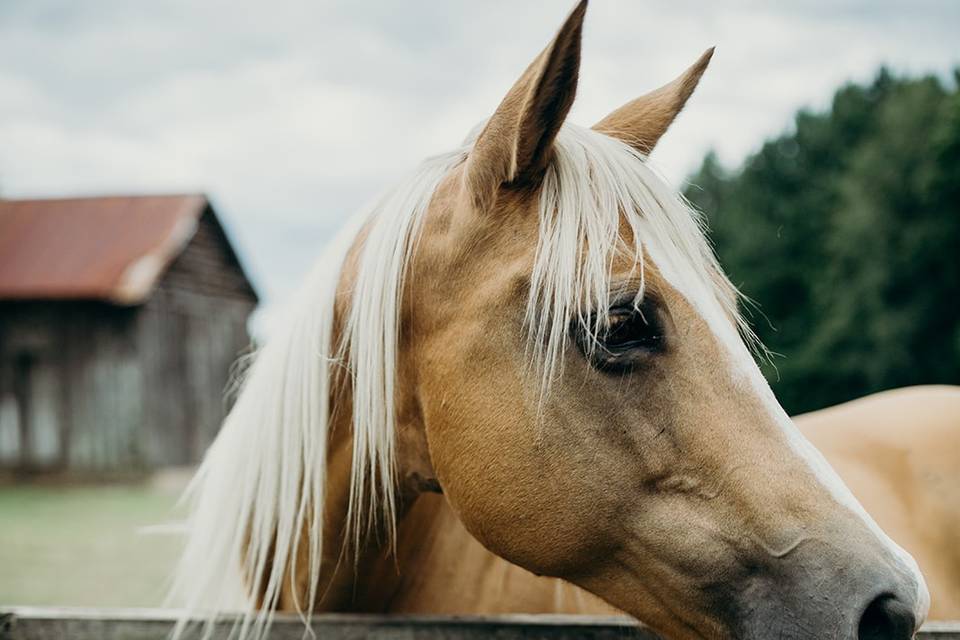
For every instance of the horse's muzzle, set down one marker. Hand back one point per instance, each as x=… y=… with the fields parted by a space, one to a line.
x=839 y=601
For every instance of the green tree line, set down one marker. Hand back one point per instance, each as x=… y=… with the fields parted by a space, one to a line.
x=846 y=233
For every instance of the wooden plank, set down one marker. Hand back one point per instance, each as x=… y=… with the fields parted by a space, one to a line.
x=25 y=623
x=85 y=624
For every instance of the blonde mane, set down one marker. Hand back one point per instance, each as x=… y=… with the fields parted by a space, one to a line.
x=259 y=494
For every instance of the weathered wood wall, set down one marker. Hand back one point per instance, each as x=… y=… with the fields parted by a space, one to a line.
x=91 y=386
x=73 y=368
x=191 y=332
x=60 y=624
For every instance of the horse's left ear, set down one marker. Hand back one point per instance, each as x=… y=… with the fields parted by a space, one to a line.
x=515 y=145
x=641 y=122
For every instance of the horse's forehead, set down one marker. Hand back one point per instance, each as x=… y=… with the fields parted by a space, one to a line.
x=452 y=229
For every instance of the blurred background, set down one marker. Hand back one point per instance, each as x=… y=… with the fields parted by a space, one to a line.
x=169 y=171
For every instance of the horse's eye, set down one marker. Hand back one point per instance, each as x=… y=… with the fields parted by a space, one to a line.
x=632 y=336
x=630 y=328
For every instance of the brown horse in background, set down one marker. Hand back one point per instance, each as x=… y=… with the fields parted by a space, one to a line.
x=899 y=452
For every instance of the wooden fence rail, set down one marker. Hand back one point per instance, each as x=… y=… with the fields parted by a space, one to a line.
x=27 y=623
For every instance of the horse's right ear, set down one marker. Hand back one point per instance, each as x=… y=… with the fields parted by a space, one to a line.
x=516 y=143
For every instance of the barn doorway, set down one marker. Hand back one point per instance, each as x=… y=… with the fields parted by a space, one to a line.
x=30 y=430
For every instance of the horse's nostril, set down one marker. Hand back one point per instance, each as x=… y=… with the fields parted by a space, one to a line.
x=887 y=618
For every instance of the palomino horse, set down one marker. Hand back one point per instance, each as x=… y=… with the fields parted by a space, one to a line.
x=535 y=326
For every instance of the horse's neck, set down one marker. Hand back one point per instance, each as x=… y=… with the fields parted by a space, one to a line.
x=438 y=567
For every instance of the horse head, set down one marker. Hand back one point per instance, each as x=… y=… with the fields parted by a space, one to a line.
x=535 y=325
x=588 y=402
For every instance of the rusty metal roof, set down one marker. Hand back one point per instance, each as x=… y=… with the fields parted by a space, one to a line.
x=105 y=248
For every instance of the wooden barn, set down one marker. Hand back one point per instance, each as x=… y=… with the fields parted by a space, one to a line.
x=120 y=319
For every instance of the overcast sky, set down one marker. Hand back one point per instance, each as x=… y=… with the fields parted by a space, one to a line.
x=290 y=115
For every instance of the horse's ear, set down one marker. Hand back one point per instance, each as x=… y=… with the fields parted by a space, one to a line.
x=641 y=122
x=515 y=145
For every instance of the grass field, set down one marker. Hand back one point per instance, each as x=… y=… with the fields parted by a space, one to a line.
x=82 y=546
